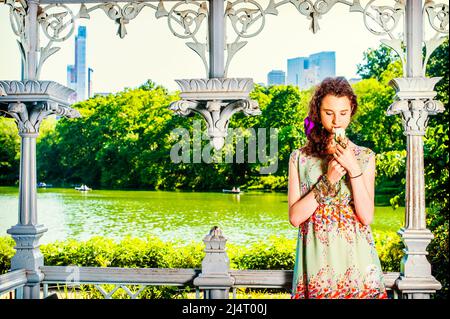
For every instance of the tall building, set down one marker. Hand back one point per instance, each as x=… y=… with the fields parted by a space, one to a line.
x=77 y=74
x=305 y=72
x=276 y=77
x=295 y=68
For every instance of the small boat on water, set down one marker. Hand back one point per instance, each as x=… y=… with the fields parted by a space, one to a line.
x=44 y=185
x=83 y=188
x=233 y=191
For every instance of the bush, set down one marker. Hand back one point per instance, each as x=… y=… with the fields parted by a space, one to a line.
x=390 y=250
x=276 y=253
x=437 y=222
x=6 y=253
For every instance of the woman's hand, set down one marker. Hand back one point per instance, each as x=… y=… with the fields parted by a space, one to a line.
x=346 y=157
x=335 y=171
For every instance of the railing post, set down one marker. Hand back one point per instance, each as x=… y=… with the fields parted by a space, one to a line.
x=215 y=278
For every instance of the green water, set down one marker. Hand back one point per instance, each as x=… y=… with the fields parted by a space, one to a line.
x=186 y=216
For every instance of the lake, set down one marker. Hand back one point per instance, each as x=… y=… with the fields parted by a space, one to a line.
x=187 y=216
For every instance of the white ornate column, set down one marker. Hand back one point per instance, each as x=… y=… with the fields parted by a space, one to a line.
x=29 y=102
x=414 y=101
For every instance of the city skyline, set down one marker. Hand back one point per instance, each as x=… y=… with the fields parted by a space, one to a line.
x=130 y=62
x=276 y=77
x=77 y=73
x=305 y=72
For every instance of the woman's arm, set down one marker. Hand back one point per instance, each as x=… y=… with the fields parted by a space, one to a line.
x=363 y=187
x=299 y=209
x=364 y=192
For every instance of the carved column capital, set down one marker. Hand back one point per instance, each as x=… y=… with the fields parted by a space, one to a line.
x=414 y=101
x=29 y=102
x=216 y=100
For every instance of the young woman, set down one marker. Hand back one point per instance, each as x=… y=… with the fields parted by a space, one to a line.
x=331 y=201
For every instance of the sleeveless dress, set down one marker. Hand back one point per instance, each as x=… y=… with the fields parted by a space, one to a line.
x=335 y=254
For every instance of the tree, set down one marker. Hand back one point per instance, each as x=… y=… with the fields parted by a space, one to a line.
x=9 y=151
x=375 y=62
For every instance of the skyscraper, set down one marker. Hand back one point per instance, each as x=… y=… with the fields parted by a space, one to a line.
x=77 y=73
x=295 y=68
x=325 y=63
x=275 y=77
x=305 y=72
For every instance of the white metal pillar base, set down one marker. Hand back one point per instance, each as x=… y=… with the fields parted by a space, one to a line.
x=28 y=256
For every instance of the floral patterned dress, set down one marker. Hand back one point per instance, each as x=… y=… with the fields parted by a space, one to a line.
x=335 y=254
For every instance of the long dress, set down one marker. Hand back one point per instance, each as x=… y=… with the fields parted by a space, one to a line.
x=335 y=254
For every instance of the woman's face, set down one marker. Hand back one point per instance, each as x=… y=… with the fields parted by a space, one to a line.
x=335 y=112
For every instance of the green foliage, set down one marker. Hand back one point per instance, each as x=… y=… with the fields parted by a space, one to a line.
x=268 y=182
x=276 y=253
x=149 y=292
x=130 y=252
x=374 y=99
x=124 y=141
x=151 y=252
x=438 y=249
x=7 y=251
x=9 y=151
x=436 y=172
x=390 y=250
x=375 y=62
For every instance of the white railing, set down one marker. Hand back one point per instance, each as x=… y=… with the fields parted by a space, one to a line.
x=143 y=277
x=13 y=281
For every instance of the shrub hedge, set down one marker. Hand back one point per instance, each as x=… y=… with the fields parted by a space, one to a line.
x=151 y=252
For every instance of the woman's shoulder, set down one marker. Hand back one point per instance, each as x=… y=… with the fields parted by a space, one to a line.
x=363 y=153
x=295 y=154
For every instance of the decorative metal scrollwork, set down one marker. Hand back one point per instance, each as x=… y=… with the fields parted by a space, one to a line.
x=437 y=15
x=247 y=18
x=18 y=11
x=438 y=19
x=243 y=18
x=189 y=21
x=245 y=14
x=57 y=22
x=133 y=293
x=383 y=20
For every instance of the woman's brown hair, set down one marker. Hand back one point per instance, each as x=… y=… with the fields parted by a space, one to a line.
x=318 y=136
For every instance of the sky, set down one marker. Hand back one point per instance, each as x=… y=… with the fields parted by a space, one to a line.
x=151 y=51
